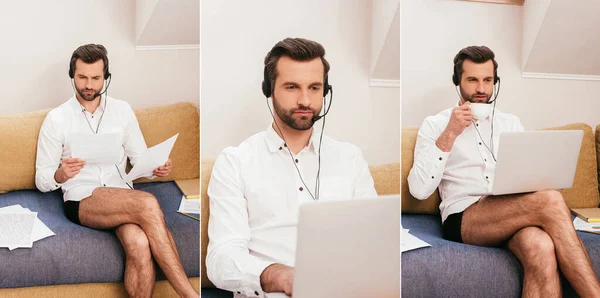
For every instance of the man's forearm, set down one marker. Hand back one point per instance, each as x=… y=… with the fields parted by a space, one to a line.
x=445 y=141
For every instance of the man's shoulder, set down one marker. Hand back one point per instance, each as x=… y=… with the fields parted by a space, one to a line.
x=245 y=148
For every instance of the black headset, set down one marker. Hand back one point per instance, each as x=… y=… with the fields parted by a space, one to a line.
x=267 y=88
x=456 y=77
x=72 y=69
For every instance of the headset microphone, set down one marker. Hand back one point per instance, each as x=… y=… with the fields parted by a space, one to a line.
x=327 y=108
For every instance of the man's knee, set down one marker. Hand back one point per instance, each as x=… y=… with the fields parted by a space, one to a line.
x=538 y=250
x=149 y=208
x=551 y=203
x=136 y=245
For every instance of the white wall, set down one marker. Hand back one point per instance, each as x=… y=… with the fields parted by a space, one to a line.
x=39 y=36
x=433 y=31
x=235 y=40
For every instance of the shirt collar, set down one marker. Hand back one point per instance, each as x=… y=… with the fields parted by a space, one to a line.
x=78 y=107
x=275 y=143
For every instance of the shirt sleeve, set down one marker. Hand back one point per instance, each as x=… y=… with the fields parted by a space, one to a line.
x=48 y=156
x=135 y=144
x=429 y=162
x=228 y=262
x=364 y=186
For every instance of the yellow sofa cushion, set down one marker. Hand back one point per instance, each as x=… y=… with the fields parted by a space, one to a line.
x=19 y=134
x=386 y=178
x=583 y=194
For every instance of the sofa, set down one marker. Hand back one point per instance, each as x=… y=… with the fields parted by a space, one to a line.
x=82 y=262
x=386 y=178
x=450 y=269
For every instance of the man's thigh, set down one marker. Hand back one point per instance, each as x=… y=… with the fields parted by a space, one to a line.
x=494 y=219
x=109 y=207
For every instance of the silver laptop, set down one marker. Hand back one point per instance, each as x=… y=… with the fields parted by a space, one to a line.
x=535 y=160
x=349 y=249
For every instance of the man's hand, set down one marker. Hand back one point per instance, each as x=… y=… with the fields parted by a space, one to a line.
x=460 y=119
x=163 y=170
x=277 y=278
x=69 y=168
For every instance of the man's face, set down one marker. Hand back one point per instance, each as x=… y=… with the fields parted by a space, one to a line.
x=298 y=92
x=89 y=79
x=477 y=81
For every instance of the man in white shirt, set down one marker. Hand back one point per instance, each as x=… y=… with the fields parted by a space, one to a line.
x=455 y=151
x=256 y=188
x=97 y=196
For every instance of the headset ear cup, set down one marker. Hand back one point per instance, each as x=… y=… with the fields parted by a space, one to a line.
x=455 y=79
x=266 y=88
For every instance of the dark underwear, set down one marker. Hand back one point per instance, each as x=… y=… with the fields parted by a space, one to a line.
x=72 y=211
x=451 y=229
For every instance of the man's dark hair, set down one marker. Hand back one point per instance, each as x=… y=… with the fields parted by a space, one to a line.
x=299 y=49
x=89 y=53
x=477 y=54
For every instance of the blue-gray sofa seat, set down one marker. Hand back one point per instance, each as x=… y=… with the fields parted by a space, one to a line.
x=80 y=255
x=451 y=269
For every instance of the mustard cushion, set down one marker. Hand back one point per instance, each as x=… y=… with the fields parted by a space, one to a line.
x=584 y=193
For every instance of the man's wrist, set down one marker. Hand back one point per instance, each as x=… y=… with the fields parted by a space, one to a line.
x=445 y=141
x=271 y=279
x=58 y=177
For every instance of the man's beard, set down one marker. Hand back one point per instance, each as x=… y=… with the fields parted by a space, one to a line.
x=471 y=98
x=88 y=97
x=297 y=123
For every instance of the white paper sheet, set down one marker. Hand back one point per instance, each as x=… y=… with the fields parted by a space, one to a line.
x=40 y=230
x=16 y=229
x=189 y=205
x=410 y=242
x=582 y=225
x=97 y=149
x=151 y=159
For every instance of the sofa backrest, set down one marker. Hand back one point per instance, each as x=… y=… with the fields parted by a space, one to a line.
x=386 y=179
x=19 y=135
x=583 y=194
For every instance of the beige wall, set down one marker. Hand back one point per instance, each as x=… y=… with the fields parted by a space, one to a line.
x=433 y=31
x=39 y=37
x=235 y=40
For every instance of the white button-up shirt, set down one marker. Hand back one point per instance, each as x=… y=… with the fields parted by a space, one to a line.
x=255 y=191
x=468 y=167
x=112 y=116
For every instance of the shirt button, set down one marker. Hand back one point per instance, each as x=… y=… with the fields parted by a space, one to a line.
x=301 y=189
x=432 y=177
x=296 y=160
x=238 y=292
x=477 y=124
x=284 y=144
x=440 y=158
x=280 y=147
x=256 y=293
x=484 y=159
x=486 y=177
x=479 y=143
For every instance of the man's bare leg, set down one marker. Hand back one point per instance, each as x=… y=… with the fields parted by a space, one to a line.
x=535 y=249
x=108 y=208
x=139 y=266
x=494 y=220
